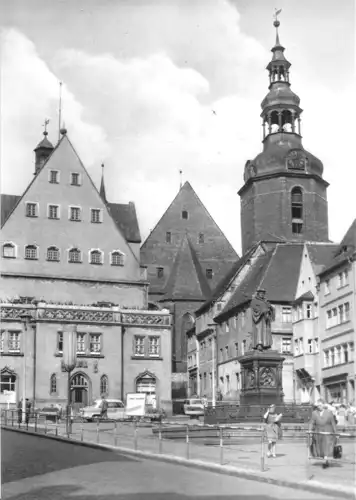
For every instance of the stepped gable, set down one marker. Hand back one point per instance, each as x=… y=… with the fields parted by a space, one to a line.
x=281 y=278
x=8 y=203
x=125 y=218
x=248 y=286
x=187 y=280
x=224 y=282
x=320 y=254
x=345 y=251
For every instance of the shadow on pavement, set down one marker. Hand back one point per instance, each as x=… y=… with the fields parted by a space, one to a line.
x=73 y=493
x=24 y=456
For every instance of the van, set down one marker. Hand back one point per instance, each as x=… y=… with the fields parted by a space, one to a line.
x=116 y=410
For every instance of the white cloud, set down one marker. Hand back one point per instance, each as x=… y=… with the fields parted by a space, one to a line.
x=189 y=101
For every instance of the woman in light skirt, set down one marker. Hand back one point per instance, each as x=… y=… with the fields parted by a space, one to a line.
x=273 y=429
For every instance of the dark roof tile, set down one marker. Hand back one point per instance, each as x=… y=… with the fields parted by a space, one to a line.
x=125 y=218
x=8 y=203
x=345 y=250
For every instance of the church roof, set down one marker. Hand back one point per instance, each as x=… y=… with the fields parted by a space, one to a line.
x=320 y=254
x=125 y=218
x=187 y=280
x=224 y=282
x=344 y=251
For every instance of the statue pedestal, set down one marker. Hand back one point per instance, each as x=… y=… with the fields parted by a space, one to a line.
x=261 y=380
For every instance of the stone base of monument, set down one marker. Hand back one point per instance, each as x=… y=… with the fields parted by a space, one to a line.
x=261 y=381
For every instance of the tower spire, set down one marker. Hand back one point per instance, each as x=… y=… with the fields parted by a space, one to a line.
x=102 y=185
x=280 y=108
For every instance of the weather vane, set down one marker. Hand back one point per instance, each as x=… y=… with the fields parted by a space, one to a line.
x=46 y=122
x=276 y=14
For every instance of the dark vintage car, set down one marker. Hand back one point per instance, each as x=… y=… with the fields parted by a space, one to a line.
x=53 y=413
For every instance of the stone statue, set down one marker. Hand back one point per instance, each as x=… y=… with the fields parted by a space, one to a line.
x=262 y=317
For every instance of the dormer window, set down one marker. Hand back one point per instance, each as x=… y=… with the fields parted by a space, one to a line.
x=184 y=214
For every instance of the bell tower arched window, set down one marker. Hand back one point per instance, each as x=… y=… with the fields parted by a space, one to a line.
x=297 y=210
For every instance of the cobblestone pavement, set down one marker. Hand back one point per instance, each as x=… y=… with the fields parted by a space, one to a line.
x=39 y=469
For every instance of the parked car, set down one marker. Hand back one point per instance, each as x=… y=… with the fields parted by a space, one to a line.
x=116 y=410
x=54 y=413
x=194 y=407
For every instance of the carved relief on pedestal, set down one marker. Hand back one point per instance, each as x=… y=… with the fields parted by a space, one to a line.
x=267 y=377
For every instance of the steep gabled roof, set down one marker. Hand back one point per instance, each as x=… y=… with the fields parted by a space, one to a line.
x=224 y=282
x=281 y=278
x=320 y=254
x=8 y=203
x=125 y=218
x=187 y=280
x=344 y=251
x=248 y=286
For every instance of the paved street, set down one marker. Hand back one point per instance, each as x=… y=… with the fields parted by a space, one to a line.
x=36 y=469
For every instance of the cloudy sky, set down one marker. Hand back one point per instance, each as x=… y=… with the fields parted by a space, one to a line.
x=152 y=87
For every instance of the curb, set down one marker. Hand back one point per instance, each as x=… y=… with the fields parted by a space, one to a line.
x=336 y=490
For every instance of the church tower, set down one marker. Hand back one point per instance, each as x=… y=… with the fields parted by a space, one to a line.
x=284 y=194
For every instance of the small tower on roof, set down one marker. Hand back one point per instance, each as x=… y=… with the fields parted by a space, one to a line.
x=102 y=185
x=43 y=150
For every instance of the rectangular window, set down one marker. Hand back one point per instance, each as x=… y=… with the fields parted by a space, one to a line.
x=341 y=279
x=243 y=347
x=31 y=252
x=31 y=210
x=301 y=346
x=221 y=355
x=60 y=341
x=345 y=353
x=75 y=214
x=310 y=346
x=14 y=341
x=326 y=287
x=168 y=237
x=227 y=351
x=80 y=342
x=139 y=346
x=227 y=383
x=341 y=314
x=201 y=238
x=326 y=358
x=328 y=319
x=160 y=272
x=95 y=343
x=286 y=345
x=153 y=347
x=2 y=339
x=75 y=179
x=53 y=212
x=332 y=357
x=334 y=316
x=205 y=380
x=53 y=176
x=296 y=347
x=227 y=327
x=347 y=311
x=209 y=274
x=309 y=311
x=286 y=314
x=316 y=345
x=297 y=227
x=236 y=348
x=96 y=216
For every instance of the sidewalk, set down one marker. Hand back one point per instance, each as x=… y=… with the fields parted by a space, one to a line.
x=290 y=467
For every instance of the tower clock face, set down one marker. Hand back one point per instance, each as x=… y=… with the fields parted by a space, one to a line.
x=296 y=160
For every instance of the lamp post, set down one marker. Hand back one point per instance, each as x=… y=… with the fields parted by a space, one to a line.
x=69 y=363
x=25 y=320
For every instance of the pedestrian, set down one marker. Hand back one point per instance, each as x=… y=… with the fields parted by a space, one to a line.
x=273 y=429
x=104 y=408
x=19 y=411
x=322 y=445
x=28 y=411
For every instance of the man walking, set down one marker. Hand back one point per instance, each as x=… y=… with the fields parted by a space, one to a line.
x=28 y=411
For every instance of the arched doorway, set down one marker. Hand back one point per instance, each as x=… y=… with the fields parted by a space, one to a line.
x=147 y=383
x=79 y=390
